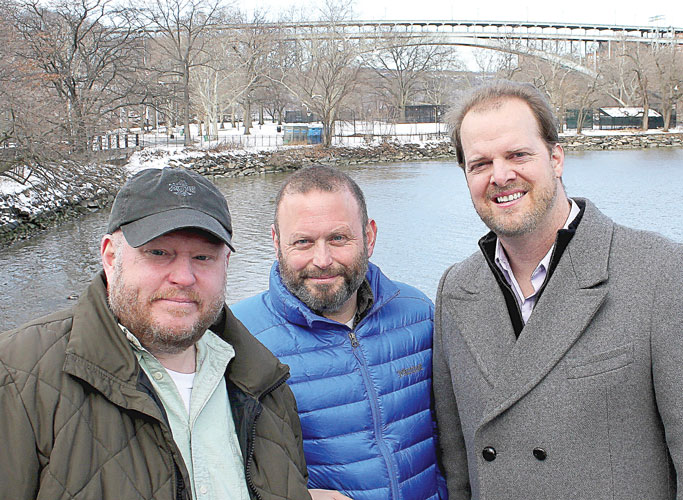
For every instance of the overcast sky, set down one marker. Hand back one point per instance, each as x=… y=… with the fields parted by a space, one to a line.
x=628 y=12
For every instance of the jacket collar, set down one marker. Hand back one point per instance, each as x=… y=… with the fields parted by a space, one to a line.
x=295 y=311
x=254 y=369
x=99 y=353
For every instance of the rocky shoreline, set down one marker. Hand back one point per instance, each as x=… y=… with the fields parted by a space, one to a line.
x=70 y=191
x=24 y=214
x=621 y=141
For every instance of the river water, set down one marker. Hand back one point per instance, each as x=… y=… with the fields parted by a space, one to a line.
x=423 y=211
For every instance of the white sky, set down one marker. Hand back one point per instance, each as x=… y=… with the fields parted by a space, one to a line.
x=625 y=12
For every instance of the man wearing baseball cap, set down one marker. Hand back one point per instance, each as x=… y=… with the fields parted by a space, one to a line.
x=149 y=387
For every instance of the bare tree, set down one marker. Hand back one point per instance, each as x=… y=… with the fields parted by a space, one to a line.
x=81 y=53
x=640 y=64
x=274 y=98
x=322 y=70
x=551 y=78
x=205 y=84
x=627 y=70
x=503 y=63
x=585 y=93
x=252 y=49
x=668 y=77
x=620 y=84
x=440 y=88
x=181 y=31
x=403 y=63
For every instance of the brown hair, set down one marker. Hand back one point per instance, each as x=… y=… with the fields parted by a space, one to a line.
x=494 y=93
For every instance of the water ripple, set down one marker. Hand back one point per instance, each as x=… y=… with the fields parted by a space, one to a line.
x=423 y=211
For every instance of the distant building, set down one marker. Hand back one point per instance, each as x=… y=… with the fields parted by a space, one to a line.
x=571 y=118
x=617 y=118
x=425 y=113
x=300 y=116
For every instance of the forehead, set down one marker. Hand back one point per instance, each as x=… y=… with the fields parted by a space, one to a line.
x=510 y=118
x=317 y=209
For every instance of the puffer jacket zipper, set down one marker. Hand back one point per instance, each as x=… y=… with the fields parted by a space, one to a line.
x=376 y=418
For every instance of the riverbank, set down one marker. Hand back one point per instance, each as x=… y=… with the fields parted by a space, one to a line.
x=69 y=191
x=23 y=212
x=621 y=141
x=238 y=164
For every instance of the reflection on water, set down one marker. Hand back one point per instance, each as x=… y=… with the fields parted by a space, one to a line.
x=424 y=216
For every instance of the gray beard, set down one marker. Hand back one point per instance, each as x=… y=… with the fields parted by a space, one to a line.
x=324 y=300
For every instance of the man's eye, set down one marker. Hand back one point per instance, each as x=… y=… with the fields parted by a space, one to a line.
x=156 y=253
x=203 y=257
x=302 y=241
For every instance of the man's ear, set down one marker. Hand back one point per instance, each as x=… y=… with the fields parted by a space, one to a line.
x=371 y=236
x=557 y=160
x=108 y=255
x=274 y=236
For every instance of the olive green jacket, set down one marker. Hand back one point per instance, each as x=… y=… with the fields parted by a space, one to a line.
x=79 y=418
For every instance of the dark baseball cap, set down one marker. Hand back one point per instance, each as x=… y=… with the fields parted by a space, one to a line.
x=157 y=201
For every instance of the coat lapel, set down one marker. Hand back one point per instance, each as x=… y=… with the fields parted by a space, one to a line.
x=564 y=311
x=474 y=305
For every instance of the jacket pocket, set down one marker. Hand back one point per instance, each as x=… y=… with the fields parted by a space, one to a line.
x=596 y=364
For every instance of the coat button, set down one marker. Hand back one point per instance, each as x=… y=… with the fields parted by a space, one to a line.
x=540 y=454
x=489 y=453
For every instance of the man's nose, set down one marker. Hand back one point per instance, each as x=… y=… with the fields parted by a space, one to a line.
x=502 y=173
x=321 y=255
x=182 y=272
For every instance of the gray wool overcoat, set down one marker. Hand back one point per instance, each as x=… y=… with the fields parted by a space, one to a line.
x=588 y=402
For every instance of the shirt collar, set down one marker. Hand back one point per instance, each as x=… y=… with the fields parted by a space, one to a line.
x=134 y=341
x=209 y=341
x=503 y=263
x=364 y=301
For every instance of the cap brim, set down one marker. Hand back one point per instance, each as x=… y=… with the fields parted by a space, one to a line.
x=144 y=230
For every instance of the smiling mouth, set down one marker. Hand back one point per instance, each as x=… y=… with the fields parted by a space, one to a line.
x=509 y=197
x=322 y=278
x=176 y=298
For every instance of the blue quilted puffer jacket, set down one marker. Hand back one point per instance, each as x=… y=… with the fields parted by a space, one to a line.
x=364 y=402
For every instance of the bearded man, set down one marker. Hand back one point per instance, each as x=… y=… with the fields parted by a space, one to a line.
x=149 y=388
x=359 y=346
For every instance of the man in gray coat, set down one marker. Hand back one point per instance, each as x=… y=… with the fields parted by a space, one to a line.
x=558 y=349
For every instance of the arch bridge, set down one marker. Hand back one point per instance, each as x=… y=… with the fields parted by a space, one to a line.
x=567 y=44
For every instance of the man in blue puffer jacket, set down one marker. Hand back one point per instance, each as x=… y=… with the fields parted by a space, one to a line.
x=359 y=346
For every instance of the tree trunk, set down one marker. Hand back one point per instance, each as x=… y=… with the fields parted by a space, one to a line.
x=247 y=117
x=666 y=115
x=186 y=106
x=328 y=129
x=646 y=113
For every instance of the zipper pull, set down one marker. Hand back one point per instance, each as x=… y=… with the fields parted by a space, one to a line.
x=354 y=340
